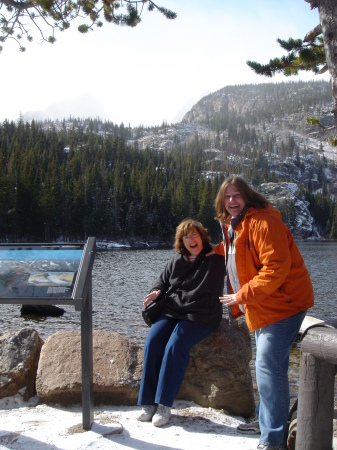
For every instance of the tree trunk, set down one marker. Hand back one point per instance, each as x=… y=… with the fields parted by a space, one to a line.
x=327 y=15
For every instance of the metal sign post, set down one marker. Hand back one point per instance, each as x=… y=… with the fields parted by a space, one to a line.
x=83 y=290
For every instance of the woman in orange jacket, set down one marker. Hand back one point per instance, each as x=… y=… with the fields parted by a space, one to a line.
x=271 y=285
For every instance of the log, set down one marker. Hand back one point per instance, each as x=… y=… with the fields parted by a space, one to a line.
x=321 y=342
x=308 y=322
x=316 y=389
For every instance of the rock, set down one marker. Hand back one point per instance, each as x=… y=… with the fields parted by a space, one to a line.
x=288 y=199
x=42 y=310
x=19 y=356
x=218 y=374
x=117 y=369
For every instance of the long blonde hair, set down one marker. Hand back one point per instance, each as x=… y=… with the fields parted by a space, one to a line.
x=250 y=197
x=184 y=228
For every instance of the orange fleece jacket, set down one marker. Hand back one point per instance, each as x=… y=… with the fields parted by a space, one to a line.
x=275 y=283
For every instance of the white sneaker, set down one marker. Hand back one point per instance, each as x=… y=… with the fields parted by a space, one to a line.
x=147 y=413
x=162 y=416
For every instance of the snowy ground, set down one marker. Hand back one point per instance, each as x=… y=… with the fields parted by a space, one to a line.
x=26 y=426
x=30 y=425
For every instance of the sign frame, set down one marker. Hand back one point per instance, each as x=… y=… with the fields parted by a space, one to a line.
x=81 y=299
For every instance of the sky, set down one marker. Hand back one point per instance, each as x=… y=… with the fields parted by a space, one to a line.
x=155 y=72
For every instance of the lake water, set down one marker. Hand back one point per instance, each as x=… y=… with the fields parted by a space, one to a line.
x=121 y=278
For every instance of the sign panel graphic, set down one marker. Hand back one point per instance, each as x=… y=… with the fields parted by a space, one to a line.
x=38 y=270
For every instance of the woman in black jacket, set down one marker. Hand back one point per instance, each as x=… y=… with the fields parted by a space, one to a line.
x=191 y=313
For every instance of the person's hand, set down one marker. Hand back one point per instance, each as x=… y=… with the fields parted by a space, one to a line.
x=151 y=297
x=210 y=253
x=228 y=300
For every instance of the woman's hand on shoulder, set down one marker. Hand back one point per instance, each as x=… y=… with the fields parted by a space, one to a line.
x=151 y=297
x=214 y=246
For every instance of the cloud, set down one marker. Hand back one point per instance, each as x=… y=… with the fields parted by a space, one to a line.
x=151 y=73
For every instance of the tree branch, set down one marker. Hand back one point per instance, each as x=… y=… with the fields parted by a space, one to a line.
x=323 y=69
x=20 y=6
x=312 y=35
x=313 y=3
x=58 y=14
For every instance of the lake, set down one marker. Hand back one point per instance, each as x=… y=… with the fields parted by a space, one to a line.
x=121 y=278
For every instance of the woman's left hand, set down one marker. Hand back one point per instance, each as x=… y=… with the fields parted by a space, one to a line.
x=151 y=297
x=228 y=300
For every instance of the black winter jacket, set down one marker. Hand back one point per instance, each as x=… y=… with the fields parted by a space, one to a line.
x=197 y=298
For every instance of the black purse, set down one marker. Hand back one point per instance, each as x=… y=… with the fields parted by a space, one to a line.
x=153 y=309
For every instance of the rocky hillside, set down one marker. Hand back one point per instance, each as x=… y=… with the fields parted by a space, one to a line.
x=259 y=132
x=284 y=194
x=262 y=127
x=271 y=109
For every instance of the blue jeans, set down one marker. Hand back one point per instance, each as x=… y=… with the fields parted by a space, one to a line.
x=166 y=356
x=273 y=346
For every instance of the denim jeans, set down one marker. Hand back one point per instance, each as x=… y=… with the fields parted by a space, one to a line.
x=166 y=356
x=273 y=346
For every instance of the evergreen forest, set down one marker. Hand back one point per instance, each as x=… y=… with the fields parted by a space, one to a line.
x=61 y=182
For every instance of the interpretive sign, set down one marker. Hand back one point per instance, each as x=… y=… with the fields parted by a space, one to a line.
x=52 y=274
x=39 y=270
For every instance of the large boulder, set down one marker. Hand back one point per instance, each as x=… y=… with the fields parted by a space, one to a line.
x=117 y=369
x=19 y=357
x=218 y=374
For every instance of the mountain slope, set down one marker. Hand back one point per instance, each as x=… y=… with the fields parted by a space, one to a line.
x=260 y=132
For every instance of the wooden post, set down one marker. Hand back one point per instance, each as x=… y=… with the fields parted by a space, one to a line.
x=316 y=390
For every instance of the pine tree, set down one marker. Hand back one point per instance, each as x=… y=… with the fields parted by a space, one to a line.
x=316 y=52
